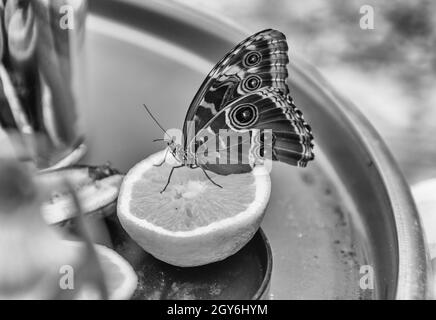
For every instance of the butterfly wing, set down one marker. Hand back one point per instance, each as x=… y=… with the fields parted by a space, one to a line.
x=259 y=61
x=250 y=118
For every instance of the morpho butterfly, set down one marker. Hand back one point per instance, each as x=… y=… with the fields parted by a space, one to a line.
x=244 y=99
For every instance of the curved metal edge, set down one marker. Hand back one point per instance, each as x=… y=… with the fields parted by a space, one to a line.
x=263 y=291
x=413 y=277
x=414 y=264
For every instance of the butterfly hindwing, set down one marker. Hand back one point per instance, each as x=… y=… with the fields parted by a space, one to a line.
x=237 y=132
x=258 y=62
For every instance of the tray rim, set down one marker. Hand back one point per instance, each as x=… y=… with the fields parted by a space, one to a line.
x=413 y=278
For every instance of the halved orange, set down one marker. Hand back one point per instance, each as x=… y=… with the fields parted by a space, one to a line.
x=193 y=222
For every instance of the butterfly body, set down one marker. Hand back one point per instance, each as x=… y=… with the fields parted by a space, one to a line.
x=243 y=113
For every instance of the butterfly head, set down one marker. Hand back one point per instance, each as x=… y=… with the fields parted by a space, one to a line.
x=177 y=150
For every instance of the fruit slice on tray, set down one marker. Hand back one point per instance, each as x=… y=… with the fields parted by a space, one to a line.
x=193 y=222
x=97 y=189
x=35 y=259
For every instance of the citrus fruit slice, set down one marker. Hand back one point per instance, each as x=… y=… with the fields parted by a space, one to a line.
x=120 y=278
x=193 y=222
x=97 y=187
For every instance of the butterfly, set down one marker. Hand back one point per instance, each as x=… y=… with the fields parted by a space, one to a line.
x=246 y=96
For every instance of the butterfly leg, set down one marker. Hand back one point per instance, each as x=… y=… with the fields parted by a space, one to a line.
x=165 y=159
x=210 y=179
x=169 y=177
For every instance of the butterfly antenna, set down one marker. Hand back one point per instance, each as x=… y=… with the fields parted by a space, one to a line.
x=155 y=120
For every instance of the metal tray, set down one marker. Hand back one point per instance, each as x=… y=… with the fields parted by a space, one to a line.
x=243 y=276
x=349 y=209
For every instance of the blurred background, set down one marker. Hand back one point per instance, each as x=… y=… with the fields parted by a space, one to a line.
x=389 y=71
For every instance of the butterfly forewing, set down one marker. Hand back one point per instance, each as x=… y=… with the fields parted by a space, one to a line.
x=258 y=62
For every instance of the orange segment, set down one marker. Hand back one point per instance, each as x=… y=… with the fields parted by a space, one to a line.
x=193 y=222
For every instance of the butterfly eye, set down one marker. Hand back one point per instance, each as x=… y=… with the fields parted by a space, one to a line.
x=252 y=58
x=244 y=116
x=252 y=83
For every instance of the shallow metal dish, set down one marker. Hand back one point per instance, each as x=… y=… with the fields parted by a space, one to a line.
x=243 y=276
x=349 y=209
